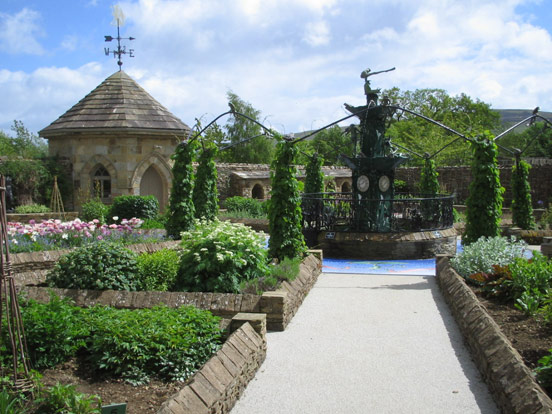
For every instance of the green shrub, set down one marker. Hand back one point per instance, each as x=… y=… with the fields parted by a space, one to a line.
x=522 y=205
x=65 y=399
x=158 y=222
x=217 y=256
x=99 y=266
x=94 y=210
x=129 y=206
x=250 y=207
x=533 y=276
x=157 y=271
x=32 y=208
x=168 y=343
x=545 y=221
x=401 y=186
x=286 y=270
x=10 y=403
x=481 y=255
x=544 y=371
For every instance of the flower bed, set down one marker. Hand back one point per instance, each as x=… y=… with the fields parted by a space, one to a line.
x=56 y=234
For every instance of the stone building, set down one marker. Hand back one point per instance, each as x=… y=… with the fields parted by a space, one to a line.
x=118 y=140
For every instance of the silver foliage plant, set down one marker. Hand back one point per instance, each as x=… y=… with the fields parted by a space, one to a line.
x=481 y=255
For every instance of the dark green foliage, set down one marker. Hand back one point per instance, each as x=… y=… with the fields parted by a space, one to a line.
x=205 y=193
x=54 y=332
x=65 y=399
x=484 y=203
x=168 y=343
x=97 y=266
x=284 y=209
x=330 y=143
x=181 y=207
x=428 y=178
x=157 y=271
x=249 y=206
x=460 y=112
x=129 y=206
x=217 y=256
x=94 y=210
x=544 y=371
x=522 y=205
x=26 y=178
x=258 y=149
x=401 y=186
x=314 y=178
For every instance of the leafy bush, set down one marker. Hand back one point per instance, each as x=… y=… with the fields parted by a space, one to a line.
x=401 y=186
x=94 y=210
x=168 y=343
x=522 y=205
x=248 y=206
x=205 y=193
x=32 y=208
x=158 y=270
x=98 y=266
x=545 y=221
x=544 y=370
x=287 y=269
x=217 y=256
x=54 y=331
x=481 y=255
x=158 y=222
x=129 y=206
x=65 y=399
x=531 y=277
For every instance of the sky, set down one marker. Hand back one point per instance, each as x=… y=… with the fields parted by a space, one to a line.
x=297 y=61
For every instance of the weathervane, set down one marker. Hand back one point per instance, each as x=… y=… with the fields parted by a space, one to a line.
x=119 y=20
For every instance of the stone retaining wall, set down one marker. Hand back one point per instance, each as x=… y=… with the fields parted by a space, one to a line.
x=216 y=387
x=280 y=306
x=510 y=381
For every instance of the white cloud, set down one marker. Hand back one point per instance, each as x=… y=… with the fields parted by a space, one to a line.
x=19 y=32
x=317 y=33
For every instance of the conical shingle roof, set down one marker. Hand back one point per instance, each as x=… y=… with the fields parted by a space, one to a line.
x=120 y=104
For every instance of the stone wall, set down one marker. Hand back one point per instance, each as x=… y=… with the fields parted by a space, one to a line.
x=510 y=381
x=216 y=387
x=280 y=306
x=457 y=180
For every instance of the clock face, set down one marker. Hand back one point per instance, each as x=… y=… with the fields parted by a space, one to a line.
x=363 y=183
x=384 y=183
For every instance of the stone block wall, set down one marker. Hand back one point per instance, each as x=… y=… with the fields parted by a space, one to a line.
x=510 y=381
x=216 y=387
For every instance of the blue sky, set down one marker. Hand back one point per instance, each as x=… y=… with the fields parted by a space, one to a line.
x=297 y=61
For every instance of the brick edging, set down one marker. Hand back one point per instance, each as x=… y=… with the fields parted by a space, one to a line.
x=509 y=380
x=216 y=387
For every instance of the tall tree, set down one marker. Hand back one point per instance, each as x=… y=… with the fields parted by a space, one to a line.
x=461 y=113
x=257 y=149
x=330 y=143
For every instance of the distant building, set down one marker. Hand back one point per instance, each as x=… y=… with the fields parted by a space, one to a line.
x=118 y=140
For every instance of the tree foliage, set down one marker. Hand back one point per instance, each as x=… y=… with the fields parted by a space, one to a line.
x=284 y=208
x=181 y=207
x=522 y=208
x=314 y=179
x=461 y=113
x=428 y=178
x=537 y=138
x=484 y=203
x=330 y=143
x=258 y=150
x=205 y=193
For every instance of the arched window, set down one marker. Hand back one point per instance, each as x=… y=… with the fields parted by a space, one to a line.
x=101 y=183
x=346 y=187
x=257 y=192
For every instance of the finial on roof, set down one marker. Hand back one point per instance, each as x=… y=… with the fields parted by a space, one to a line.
x=118 y=20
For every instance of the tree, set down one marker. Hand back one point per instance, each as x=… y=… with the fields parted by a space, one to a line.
x=330 y=143
x=181 y=206
x=259 y=149
x=284 y=208
x=522 y=208
x=205 y=195
x=537 y=138
x=484 y=203
x=460 y=113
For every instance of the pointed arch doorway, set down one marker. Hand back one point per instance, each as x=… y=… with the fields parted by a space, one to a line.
x=152 y=184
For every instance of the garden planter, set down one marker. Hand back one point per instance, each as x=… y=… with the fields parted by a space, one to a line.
x=510 y=381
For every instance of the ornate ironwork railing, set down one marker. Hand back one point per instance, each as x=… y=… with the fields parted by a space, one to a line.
x=403 y=213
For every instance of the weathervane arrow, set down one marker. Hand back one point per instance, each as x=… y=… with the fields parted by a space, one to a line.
x=118 y=20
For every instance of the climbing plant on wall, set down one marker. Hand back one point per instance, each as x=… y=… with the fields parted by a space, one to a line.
x=484 y=203
x=181 y=206
x=428 y=178
x=284 y=208
x=522 y=209
x=205 y=195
